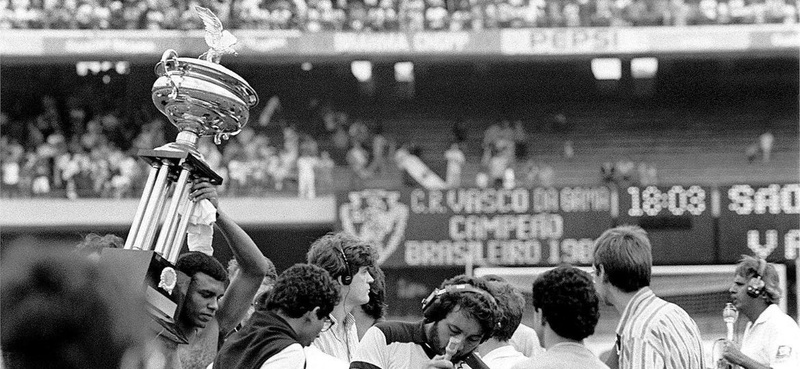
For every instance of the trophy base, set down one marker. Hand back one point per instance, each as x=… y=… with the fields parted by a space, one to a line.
x=145 y=271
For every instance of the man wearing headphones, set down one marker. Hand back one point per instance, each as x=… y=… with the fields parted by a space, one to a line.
x=348 y=260
x=458 y=316
x=772 y=338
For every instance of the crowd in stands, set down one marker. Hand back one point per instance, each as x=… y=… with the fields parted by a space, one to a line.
x=389 y=15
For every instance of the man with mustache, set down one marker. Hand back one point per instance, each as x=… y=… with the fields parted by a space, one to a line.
x=458 y=316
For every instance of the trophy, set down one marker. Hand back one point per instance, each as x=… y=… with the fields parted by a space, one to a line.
x=201 y=98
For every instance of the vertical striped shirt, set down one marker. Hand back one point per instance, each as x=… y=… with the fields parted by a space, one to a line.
x=655 y=334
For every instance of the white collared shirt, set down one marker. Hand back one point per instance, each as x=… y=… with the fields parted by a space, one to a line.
x=503 y=357
x=341 y=340
x=773 y=339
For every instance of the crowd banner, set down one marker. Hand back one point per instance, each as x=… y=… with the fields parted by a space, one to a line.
x=478 y=226
x=266 y=45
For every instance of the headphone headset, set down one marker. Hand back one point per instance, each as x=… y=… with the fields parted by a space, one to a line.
x=347 y=277
x=430 y=302
x=755 y=286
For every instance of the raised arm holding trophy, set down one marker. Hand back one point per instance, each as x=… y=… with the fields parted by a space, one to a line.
x=185 y=294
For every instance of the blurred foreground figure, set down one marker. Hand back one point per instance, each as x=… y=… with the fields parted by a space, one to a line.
x=63 y=311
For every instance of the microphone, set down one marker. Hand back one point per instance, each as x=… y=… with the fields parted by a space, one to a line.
x=452 y=347
x=729 y=315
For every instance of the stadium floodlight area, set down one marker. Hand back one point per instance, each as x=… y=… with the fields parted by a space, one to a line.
x=699 y=289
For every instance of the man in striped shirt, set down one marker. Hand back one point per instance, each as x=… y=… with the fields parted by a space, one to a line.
x=652 y=333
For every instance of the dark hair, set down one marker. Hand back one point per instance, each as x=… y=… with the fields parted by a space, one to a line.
x=194 y=261
x=376 y=307
x=626 y=256
x=94 y=243
x=568 y=301
x=325 y=253
x=301 y=288
x=483 y=308
x=748 y=267
x=510 y=304
x=62 y=311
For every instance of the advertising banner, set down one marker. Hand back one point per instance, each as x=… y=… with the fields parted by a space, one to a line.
x=418 y=227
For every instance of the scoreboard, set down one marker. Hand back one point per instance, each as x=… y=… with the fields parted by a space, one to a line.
x=686 y=224
x=677 y=219
x=759 y=219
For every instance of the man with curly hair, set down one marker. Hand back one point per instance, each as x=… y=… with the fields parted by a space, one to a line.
x=348 y=259
x=565 y=312
x=461 y=311
x=652 y=333
x=297 y=310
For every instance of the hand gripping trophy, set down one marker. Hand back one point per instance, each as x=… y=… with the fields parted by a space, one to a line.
x=201 y=98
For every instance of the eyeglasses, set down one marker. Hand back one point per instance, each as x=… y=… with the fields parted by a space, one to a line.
x=327 y=323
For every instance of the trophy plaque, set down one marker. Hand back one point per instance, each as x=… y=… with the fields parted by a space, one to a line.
x=201 y=98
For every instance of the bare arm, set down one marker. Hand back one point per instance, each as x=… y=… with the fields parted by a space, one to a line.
x=253 y=266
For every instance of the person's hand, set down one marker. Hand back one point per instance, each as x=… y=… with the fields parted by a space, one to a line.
x=732 y=354
x=202 y=189
x=439 y=361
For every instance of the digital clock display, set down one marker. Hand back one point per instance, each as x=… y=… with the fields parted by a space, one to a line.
x=677 y=219
x=676 y=200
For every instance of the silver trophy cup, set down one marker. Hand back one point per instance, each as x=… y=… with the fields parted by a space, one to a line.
x=201 y=98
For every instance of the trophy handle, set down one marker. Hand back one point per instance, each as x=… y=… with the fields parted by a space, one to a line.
x=169 y=61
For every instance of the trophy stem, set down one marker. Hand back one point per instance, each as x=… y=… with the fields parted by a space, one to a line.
x=188 y=138
x=172 y=214
x=148 y=219
x=137 y=219
x=181 y=232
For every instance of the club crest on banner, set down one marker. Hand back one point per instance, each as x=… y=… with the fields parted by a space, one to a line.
x=376 y=216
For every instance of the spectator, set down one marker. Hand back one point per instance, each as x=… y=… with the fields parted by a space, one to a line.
x=455 y=161
x=306 y=164
x=765 y=142
x=325 y=172
x=379 y=146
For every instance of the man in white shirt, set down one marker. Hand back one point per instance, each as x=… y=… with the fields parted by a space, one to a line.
x=297 y=310
x=772 y=338
x=497 y=352
x=565 y=312
x=348 y=260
